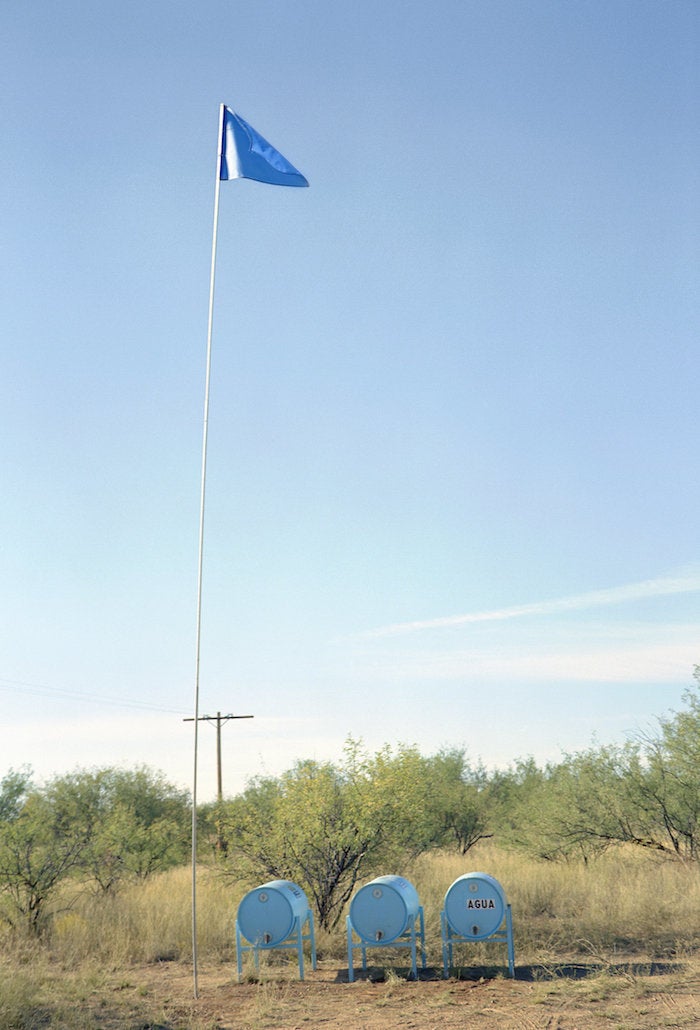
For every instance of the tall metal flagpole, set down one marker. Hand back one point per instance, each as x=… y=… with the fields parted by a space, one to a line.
x=205 y=433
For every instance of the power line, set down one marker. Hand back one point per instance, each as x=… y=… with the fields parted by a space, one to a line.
x=76 y=695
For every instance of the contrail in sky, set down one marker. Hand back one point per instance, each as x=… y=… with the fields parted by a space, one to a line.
x=683 y=583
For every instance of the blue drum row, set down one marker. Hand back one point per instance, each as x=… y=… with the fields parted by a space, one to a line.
x=384 y=913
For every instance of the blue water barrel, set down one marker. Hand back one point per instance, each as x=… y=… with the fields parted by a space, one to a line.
x=475 y=906
x=266 y=914
x=383 y=909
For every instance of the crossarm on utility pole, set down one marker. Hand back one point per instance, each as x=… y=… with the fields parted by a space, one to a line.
x=218 y=719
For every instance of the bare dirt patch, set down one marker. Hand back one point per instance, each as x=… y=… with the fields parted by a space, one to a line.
x=628 y=996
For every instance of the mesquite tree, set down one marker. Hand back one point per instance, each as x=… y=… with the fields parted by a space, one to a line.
x=325 y=826
x=99 y=827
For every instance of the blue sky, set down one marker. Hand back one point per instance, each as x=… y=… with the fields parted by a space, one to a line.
x=452 y=493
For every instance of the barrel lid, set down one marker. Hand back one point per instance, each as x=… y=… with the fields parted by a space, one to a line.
x=380 y=911
x=265 y=916
x=475 y=906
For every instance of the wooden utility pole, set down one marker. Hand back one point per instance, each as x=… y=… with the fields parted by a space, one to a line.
x=218 y=719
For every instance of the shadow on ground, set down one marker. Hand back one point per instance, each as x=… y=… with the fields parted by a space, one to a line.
x=555 y=971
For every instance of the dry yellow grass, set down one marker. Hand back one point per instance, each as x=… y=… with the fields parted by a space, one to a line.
x=626 y=902
x=620 y=931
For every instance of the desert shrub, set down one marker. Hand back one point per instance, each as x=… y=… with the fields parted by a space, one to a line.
x=104 y=826
x=327 y=826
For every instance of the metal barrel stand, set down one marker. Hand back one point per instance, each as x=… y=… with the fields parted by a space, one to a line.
x=410 y=938
x=295 y=941
x=502 y=935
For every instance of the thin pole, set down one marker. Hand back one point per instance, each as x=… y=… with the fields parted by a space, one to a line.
x=205 y=433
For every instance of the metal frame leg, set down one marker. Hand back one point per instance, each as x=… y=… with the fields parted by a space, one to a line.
x=351 y=971
x=511 y=946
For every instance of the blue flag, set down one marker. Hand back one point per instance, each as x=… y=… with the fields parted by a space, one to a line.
x=246 y=155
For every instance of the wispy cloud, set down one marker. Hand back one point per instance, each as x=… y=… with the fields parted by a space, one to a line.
x=682 y=583
x=665 y=654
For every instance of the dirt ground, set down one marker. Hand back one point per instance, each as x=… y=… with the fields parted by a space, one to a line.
x=626 y=996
